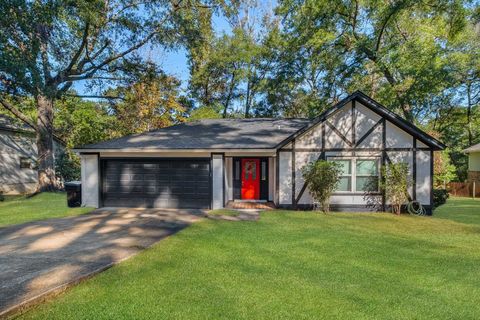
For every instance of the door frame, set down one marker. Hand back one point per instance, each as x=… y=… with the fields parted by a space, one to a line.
x=237 y=183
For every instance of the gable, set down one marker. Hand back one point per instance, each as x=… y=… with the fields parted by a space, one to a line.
x=357 y=122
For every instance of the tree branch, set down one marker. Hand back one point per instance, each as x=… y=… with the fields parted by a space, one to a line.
x=76 y=56
x=95 y=96
x=17 y=113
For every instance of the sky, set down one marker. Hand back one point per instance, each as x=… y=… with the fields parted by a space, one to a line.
x=173 y=62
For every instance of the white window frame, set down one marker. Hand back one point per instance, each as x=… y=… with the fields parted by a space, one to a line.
x=353 y=173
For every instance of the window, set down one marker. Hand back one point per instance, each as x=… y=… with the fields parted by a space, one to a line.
x=237 y=169
x=264 y=171
x=366 y=175
x=25 y=163
x=345 y=183
x=358 y=174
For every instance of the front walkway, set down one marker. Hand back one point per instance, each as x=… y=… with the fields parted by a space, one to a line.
x=39 y=259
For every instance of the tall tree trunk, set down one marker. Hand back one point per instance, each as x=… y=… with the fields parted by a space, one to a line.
x=469 y=114
x=247 y=100
x=46 y=163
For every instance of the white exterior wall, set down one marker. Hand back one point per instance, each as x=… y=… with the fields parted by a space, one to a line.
x=217 y=181
x=423 y=177
x=365 y=120
x=285 y=178
x=90 y=180
x=271 y=179
x=229 y=179
x=13 y=179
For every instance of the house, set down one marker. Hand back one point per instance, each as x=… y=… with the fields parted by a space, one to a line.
x=18 y=156
x=208 y=163
x=473 y=163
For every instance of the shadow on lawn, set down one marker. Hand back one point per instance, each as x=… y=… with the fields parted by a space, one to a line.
x=39 y=256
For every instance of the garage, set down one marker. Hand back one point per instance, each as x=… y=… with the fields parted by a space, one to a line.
x=156 y=183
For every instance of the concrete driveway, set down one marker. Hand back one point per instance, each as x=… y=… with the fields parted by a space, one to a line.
x=39 y=259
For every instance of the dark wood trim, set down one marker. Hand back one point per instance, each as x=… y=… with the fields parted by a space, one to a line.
x=414 y=170
x=432 y=154
x=323 y=140
x=365 y=136
x=353 y=149
x=332 y=127
x=378 y=109
x=277 y=178
x=354 y=122
x=384 y=158
x=294 y=203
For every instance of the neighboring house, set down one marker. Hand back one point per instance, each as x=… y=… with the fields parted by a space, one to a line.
x=473 y=162
x=18 y=156
x=207 y=163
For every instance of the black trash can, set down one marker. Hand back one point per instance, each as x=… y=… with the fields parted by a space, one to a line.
x=74 y=193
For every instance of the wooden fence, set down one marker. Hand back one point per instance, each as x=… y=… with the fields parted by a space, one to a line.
x=464 y=189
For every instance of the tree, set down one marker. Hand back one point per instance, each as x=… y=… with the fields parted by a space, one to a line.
x=322 y=178
x=443 y=170
x=395 y=184
x=395 y=51
x=151 y=103
x=205 y=112
x=46 y=46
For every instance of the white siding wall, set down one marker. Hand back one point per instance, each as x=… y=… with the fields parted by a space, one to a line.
x=365 y=119
x=423 y=177
x=229 y=178
x=90 y=180
x=13 y=179
x=271 y=179
x=285 y=177
x=397 y=138
x=217 y=181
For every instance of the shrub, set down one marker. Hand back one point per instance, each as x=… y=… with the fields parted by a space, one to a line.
x=67 y=166
x=395 y=184
x=322 y=178
x=440 y=196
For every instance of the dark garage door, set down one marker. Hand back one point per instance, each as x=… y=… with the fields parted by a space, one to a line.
x=172 y=183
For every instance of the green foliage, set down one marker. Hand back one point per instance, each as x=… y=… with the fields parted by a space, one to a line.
x=204 y=112
x=395 y=183
x=67 y=166
x=322 y=178
x=440 y=197
x=79 y=122
x=443 y=170
x=150 y=103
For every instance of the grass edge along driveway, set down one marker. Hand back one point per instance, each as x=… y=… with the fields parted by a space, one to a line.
x=296 y=265
x=47 y=205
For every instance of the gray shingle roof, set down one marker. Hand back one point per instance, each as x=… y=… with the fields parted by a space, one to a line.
x=255 y=133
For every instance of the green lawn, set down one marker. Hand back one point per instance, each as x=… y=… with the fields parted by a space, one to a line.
x=20 y=209
x=295 y=265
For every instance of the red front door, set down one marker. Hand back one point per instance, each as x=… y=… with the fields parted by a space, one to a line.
x=251 y=179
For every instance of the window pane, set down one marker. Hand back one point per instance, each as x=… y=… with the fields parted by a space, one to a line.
x=367 y=167
x=345 y=166
x=345 y=184
x=367 y=184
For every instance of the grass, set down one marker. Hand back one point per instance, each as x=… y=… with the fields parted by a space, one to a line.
x=224 y=212
x=20 y=209
x=295 y=265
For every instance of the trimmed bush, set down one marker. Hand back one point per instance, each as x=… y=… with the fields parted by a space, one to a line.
x=440 y=196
